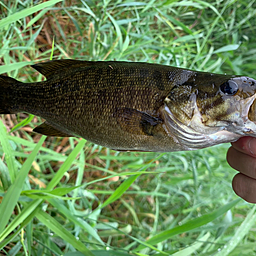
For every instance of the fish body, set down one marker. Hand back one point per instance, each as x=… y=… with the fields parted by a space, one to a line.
x=130 y=106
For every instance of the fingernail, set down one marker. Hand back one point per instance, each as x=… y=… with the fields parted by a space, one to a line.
x=252 y=146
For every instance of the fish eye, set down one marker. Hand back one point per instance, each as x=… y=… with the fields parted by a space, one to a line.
x=229 y=88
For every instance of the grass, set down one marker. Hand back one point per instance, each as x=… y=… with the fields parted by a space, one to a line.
x=63 y=196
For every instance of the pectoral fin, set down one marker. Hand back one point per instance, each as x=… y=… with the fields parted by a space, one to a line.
x=137 y=122
x=48 y=130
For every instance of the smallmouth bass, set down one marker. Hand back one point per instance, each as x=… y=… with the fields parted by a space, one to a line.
x=130 y=106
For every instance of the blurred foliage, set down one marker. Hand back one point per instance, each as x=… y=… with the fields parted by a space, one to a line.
x=82 y=199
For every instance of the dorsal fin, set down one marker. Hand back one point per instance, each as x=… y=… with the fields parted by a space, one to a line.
x=50 y=67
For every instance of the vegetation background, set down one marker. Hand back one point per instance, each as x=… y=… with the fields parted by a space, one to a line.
x=66 y=196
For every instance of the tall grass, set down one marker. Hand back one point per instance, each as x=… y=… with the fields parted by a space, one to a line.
x=64 y=196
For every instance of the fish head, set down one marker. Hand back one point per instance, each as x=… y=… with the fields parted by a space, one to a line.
x=212 y=110
x=229 y=104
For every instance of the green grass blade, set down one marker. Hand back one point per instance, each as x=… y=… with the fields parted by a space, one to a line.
x=19 y=222
x=100 y=253
x=26 y=12
x=31 y=206
x=242 y=230
x=14 y=66
x=52 y=51
x=4 y=176
x=22 y=123
x=168 y=19
x=60 y=231
x=226 y=48
x=57 y=191
x=190 y=225
x=66 y=165
x=213 y=8
x=28 y=210
x=118 y=31
x=9 y=158
x=12 y=195
x=36 y=18
x=73 y=219
x=120 y=190
x=109 y=253
x=193 y=247
x=27 y=213
x=46 y=194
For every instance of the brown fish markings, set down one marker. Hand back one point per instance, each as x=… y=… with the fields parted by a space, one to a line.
x=135 y=106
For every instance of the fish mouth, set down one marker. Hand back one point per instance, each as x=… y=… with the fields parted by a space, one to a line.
x=196 y=135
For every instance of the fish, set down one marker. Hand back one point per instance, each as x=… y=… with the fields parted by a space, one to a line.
x=135 y=106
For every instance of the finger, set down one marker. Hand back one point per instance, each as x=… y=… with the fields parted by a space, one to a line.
x=241 y=162
x=246 y=145
x=245 y=187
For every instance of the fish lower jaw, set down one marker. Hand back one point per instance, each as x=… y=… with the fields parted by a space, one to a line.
x=247 y=129
x=231 y=134
x=222 y=137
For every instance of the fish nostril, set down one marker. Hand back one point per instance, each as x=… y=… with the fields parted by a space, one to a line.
x=250 y=83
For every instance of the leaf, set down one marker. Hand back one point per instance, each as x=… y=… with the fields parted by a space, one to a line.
x=193 y=247
x=46 y=194
x=28 y=211
x=26 y=12
x=37 y=17
x=9 y=158
x=76 y=220
x=120 y=190
x=118 y=31
x=66 y=165
x=100 y=253
x=226 y=48
x=22 y=123
x=12 y=195
x=20 y=221
x=60 y=231
x=14 y=66
x=190 y=225
x=243 y=229
x=4 y=176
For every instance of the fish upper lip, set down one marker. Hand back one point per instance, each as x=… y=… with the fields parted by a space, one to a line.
x=251 y=109
x=246 y=105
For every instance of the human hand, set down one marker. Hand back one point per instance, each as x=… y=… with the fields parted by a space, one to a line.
x=242 y=157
